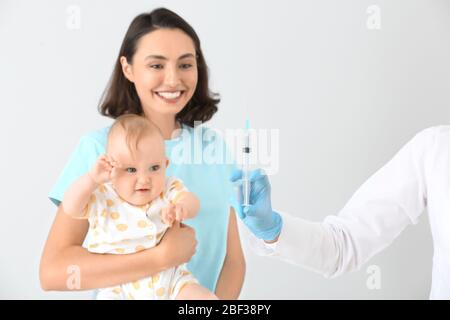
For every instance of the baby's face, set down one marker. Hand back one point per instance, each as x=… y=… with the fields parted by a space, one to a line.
x=141 y=179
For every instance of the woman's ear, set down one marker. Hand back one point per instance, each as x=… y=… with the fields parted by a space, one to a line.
x=126 y=69
x=167 y=162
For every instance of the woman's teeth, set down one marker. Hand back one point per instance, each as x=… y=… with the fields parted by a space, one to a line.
x=169 y=95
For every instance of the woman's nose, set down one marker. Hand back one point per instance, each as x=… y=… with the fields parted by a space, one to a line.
x=172 y=78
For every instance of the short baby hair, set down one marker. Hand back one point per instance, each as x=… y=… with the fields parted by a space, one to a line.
x=135 y=128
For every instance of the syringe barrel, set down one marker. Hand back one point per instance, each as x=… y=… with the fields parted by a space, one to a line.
x=245 y=176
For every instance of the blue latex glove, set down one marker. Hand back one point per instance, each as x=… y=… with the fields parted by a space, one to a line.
x=258 y=217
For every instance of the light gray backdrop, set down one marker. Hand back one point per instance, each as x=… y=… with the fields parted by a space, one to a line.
x=345 y=98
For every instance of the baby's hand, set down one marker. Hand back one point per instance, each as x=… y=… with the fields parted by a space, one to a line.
x=103 y=169
x=173 y=212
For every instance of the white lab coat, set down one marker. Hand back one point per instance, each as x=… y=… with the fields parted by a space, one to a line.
x=418 y=177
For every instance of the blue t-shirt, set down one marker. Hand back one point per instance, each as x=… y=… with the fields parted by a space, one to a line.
x=200 y=158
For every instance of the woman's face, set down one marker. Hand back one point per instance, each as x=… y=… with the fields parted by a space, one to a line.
x=164 y=71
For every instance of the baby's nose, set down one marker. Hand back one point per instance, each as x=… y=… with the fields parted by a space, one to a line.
x=144 y=178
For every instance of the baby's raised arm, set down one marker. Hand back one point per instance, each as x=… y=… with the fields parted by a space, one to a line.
x=76 y=198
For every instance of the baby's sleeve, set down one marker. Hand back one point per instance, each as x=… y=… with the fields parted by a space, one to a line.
x=95 y=205
x=174 y=189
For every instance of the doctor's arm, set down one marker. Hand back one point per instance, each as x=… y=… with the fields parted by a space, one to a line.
x=393 y=198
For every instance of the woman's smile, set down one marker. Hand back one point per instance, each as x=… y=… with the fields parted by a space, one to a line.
x=170 y=96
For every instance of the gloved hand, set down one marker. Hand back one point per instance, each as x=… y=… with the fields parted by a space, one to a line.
x=258 y=217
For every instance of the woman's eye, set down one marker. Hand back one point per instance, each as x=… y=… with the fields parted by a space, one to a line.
x=154 y=168
x=186 y=66
x=156 y=66
x=130 y=170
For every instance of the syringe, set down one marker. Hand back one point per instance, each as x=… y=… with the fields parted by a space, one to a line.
x=246 y=165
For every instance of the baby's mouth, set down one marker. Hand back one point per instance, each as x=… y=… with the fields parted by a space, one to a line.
x=143 y=190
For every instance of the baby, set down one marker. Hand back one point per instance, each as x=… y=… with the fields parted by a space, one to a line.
x=130 y=203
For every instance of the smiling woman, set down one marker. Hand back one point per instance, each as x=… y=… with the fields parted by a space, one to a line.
x=160 y=74
x=163 y=71
x=163 y=80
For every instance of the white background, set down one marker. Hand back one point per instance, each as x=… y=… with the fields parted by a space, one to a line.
x=345 y=98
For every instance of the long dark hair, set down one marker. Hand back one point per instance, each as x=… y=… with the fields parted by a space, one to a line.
x=120 y=96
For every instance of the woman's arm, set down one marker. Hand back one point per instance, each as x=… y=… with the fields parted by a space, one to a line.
x=232 y=275
x=63 y=251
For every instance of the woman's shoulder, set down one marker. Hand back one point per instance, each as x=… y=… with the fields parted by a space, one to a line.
x=91 y=145
x=98 y=136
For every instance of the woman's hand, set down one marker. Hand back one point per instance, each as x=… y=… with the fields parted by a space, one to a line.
x=178 y=245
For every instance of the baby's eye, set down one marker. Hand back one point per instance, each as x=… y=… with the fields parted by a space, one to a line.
x=130 y=170
x=154 y=168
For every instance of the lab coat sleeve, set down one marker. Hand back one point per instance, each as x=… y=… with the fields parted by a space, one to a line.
x=390 y=200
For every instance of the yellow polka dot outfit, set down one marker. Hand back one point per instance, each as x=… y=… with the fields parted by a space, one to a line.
x=118 y=227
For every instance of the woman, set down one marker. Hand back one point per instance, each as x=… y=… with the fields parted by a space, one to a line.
x=161 y=74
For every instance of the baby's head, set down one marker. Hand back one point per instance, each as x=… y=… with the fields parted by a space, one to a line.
x=138 y=146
